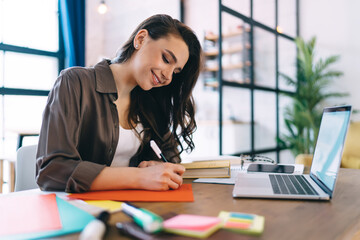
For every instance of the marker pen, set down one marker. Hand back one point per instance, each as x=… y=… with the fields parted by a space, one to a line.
x=133 y=231
x=96 y=229
x=147 y=220
x=157 y=150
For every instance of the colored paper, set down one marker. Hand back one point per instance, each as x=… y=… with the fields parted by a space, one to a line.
x=191 y=222
x=242 y=222
x=23 y=214
x=73 y=220
x=192 y=225
x=182 y=194
x=108 y=205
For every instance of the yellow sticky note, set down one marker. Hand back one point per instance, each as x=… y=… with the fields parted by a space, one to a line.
x=106 y=204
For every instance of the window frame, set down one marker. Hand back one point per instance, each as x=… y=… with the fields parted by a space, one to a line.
x=60 y=55
x=252 y=86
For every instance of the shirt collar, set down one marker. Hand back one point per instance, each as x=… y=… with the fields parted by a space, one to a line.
x=105 y=82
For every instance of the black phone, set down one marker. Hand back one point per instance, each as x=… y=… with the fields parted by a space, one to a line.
x=270 y=168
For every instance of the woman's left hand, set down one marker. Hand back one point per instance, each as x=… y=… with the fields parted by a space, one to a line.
x=144 y=164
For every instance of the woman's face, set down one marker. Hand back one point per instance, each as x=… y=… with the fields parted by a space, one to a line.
x=155 y=61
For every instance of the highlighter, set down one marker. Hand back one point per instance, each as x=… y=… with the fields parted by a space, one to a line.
x=157 y=150
x=148 y=221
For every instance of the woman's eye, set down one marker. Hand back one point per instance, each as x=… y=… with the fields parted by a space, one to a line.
x=165 y=59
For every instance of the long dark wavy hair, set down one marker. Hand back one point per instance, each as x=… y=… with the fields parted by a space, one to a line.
x=166 y=113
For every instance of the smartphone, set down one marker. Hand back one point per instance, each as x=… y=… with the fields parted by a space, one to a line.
x=270 y=168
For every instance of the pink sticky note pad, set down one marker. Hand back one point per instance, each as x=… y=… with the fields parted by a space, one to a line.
x=191 y=222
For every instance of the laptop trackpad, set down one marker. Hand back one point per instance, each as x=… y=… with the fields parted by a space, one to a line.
x=257 y=184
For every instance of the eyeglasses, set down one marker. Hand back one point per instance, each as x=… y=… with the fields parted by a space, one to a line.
x=254 y=158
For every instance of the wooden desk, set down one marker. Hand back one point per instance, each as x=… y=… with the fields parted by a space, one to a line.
x=284 y=219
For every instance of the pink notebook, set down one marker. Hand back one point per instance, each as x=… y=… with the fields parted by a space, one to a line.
x=28 y=214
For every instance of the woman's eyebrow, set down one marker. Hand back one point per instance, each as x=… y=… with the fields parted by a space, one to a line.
x=172 y=55
x=175 y=59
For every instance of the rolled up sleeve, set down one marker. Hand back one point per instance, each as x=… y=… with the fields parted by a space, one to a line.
x=60 y=165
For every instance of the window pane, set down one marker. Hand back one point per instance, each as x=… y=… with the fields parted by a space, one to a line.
x=1 y=20
x=1 y=68
x=2 y=125
x=264 y=12
x=22 y=114
x=241 y=6
x=286 y=157
x=287 y=63
x=236 y=120
x=284 y=102
x=287 y=17
x=265 y=119
x=236 y=60
x=32 y=24
x=206 y=136
x=264 y=58
x=37 y=72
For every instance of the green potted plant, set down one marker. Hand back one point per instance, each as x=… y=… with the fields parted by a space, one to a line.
x=302 y=118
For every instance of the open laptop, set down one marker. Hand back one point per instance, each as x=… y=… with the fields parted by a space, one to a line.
x=320 y=183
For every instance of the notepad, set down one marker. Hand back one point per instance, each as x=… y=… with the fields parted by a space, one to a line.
x=251 y=224
x=182 y=194
x=47 y=208
x=28 y=213
x=108 y=205
x=192 y=225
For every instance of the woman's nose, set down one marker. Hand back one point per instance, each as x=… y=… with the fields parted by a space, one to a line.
x=167 y=75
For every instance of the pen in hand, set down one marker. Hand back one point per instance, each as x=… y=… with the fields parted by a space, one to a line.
x=157 y=150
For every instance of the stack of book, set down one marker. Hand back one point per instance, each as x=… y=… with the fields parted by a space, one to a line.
x=207 y=169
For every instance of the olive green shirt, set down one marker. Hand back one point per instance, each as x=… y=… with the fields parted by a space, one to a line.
x=80 y=130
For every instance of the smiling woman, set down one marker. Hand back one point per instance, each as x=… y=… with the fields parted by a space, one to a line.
x=99 y=121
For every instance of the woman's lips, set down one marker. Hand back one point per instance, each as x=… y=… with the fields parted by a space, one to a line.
x=155 y=79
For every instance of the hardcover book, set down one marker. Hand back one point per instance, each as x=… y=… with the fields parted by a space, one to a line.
x=207 y=169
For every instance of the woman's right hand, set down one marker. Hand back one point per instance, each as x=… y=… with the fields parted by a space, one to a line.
x=162 y=176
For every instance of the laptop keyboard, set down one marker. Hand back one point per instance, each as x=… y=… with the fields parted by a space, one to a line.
x=291 y=184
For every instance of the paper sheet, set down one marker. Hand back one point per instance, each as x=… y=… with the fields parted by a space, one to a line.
x=191 y=222
x=183 y=194
x=28 y=213
x=108 y=205
x=72 y=218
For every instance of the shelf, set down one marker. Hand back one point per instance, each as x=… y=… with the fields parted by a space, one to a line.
x=212 y=84
x=215 y=37
x=227 y=67
x=226 y=51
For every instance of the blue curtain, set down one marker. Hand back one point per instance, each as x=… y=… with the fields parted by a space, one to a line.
x=72 y=15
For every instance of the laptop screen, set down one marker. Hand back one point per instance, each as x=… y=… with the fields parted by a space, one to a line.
x=329 y=146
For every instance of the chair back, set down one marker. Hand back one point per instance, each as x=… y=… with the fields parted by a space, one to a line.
x=25 y=168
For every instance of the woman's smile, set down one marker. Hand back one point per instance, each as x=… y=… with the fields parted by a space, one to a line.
x=156 y=80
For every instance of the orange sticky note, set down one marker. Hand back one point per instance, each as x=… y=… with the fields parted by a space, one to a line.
x=182 y=194
x=28 y=214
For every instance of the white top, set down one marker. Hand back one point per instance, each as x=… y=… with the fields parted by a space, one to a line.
x=127 y=146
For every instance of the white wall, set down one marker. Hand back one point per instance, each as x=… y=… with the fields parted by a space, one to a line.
x=105 y=34
x=336 y=24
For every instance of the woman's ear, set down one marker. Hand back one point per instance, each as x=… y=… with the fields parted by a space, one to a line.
x=140 y=38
